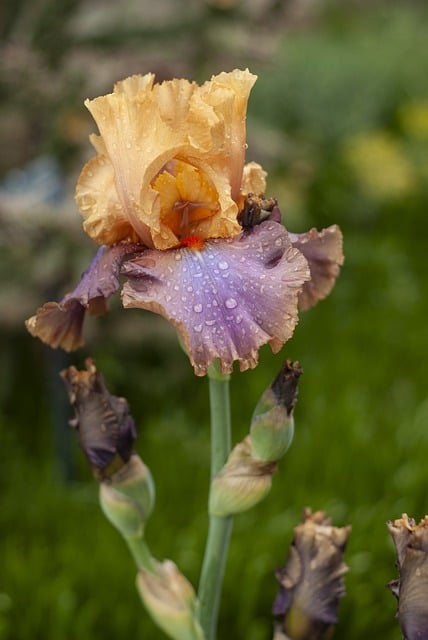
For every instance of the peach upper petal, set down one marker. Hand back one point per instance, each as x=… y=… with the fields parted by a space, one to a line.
x=142 y=128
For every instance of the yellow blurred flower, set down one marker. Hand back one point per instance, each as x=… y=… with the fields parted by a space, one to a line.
x=379 y=165
x=413 y=117
x=170 y=161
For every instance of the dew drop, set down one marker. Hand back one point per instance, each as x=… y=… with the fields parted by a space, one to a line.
x=231 y=303
x=223 y=265
x=197 y=308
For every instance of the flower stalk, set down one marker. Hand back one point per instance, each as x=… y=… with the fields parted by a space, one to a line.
x=185 y=221
x=220 y=528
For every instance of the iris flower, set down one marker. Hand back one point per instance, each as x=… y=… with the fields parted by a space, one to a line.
x=180 y=215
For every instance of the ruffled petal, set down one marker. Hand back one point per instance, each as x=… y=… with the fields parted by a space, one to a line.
x=143 y=127
x=98 y=200
x=59 y=324
x=323 y=251
x=227 y=94
x=227 y=299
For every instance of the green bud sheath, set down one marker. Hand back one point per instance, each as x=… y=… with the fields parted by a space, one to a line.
x=272 y=424
x=272 y=433
x=171 y=601
x=242 y=483
x=127 y=497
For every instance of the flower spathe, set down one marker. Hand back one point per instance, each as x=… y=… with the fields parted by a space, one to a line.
x=163 y=196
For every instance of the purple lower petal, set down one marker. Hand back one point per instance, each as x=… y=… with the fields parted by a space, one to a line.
x=227 y=299
x=101 y=278
x=323 y=251
x=60 y=324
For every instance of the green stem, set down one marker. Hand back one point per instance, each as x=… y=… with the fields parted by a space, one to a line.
x=140 y=553
x=220 y=529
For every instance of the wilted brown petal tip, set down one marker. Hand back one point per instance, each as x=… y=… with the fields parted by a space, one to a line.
x=323 y=251
x=106 y=430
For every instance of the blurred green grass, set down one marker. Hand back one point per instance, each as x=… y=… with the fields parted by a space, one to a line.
x=361 y=422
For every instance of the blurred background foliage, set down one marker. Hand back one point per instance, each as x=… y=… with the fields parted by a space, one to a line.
x=339 y=117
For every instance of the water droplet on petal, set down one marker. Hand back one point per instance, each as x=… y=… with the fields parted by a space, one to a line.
x=223 y=265
x=231 y=303
x=197 y=328
x=197 y=308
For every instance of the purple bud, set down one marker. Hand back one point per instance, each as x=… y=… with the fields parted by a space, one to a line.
x=411 y=589
x=311 y=582
x=285 y=385
x=105 y=428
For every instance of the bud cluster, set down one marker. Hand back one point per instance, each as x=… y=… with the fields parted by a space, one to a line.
x=246 y=478
x=106 y=432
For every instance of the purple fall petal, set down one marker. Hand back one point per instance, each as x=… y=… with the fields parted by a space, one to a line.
x=59 y=324
x=227 y=299
x=323 y=251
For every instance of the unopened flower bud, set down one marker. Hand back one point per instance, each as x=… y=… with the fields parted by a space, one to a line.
x=105 y=428
x=272 y=425
x=242 y=483
x=411 y=589
x=171 y=601
x=311 y=582
x=127 y=497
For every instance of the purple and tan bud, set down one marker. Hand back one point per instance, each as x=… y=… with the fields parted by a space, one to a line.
x=411 y=588
x=272 y=425
x=242 y=482
x=170 y=600
x=312 y=580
